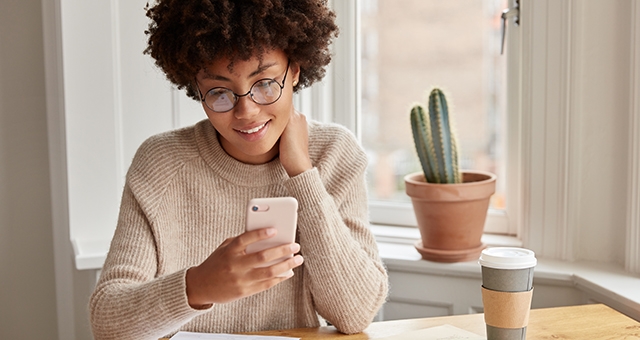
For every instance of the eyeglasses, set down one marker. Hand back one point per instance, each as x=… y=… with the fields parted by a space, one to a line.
x=263 y=92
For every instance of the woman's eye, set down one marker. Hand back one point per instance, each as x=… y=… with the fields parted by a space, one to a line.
x=264 y=84
x=218 y=92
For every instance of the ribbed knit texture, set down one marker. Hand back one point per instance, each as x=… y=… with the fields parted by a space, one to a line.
x=184 y=196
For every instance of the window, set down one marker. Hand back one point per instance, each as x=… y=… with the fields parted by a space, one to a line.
x=567 y=209
x=409 y=46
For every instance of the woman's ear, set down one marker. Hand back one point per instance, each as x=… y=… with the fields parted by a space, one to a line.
x=295 y=72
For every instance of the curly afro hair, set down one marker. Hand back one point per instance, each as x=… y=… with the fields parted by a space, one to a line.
x=185 y=36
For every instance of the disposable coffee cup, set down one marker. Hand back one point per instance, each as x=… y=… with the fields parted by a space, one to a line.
x=507 y=289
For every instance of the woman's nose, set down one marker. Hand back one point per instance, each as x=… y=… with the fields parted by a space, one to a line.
x=246 y=108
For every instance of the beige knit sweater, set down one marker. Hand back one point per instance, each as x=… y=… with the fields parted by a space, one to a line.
x=184 y=196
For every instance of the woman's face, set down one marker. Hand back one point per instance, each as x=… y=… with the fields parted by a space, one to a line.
x=250 y=132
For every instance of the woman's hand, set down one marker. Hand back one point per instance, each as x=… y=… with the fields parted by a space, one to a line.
x=294 y=145
x=229 y=273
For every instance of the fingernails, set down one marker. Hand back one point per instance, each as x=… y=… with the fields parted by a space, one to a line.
x=295 y=248
x=271 y=231
x=298 y=260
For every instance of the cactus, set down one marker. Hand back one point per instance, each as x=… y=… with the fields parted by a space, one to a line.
x=435 y=141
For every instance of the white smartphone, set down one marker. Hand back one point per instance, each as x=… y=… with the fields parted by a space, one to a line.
x=277 y=212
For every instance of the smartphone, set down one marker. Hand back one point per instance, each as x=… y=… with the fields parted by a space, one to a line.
x=277 y=212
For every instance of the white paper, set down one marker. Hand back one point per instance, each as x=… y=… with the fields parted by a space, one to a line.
x=222 y=336
x=444 y=332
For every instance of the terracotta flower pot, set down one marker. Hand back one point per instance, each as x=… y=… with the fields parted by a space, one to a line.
x=451 y=217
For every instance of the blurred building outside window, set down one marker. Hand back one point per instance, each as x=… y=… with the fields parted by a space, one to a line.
x=407 y=48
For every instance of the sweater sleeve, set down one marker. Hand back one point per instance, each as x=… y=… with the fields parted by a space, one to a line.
x=129 y=302
x=347 y=279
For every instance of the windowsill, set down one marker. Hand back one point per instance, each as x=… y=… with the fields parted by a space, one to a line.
x=609 y=283
x=408 y=235
x=606 y=282
x=90 y=254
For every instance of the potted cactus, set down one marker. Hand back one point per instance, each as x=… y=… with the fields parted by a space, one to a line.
x=450 y=204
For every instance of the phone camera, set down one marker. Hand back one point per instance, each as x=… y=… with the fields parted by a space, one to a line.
x=254 y=208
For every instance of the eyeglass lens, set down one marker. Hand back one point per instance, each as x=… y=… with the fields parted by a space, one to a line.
x=264 y=92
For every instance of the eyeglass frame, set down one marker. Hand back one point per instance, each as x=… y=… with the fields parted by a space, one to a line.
x=237 y=97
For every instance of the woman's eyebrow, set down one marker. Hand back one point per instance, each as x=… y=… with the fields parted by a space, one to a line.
x=261 y=68
x=208 y=75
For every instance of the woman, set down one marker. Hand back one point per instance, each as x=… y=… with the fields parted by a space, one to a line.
x=177 y=260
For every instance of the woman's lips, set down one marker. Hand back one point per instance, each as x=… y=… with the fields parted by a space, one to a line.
x=255 y=133
x=253 y=130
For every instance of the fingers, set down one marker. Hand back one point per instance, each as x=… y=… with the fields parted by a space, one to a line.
x=229 y=273
x=241 y=242
x=264 y=278
x=272 y=262
x=282 y=269
x=272 y=255
x=262 y=285
x=263 y=258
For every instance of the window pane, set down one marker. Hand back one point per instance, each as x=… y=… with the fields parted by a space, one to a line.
x=409 y=46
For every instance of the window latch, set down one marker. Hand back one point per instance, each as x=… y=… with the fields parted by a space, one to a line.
x=506 y=14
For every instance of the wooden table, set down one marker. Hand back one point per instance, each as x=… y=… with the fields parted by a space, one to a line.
x=592 y=322
x=575 y=322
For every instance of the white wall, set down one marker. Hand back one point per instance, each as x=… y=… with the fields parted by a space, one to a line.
x=27 y=284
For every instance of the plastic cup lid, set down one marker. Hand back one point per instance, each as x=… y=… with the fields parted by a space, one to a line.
x=507 y=258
